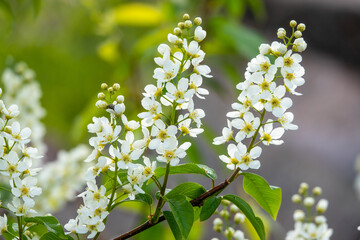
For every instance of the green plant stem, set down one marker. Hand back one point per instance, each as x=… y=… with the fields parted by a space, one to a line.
x=160 y=204
x=20 y=227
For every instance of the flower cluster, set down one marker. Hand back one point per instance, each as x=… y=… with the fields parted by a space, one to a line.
x=275 y=71
x=309 y=224
x=62 y=179
x=117 y=149
x=230 y=214
x=19 y=80
x=16 y=160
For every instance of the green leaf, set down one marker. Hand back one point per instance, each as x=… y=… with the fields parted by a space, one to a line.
x=267 y=197
x=209 y=207
x=173 y=225
x=187 y=168
x=51 y=223
x=53 y=236
x=188 y=189
x=183 y=213
x=249 y=213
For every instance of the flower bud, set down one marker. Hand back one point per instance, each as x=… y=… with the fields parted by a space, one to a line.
x=186 y=16
x=320 y=220
x=104 y=86
x=293 y=23
x=303 y=188
x=309 y=202
x=224 y=214
x=264 y=49
x=296 y=198
x=188 y=24
x=317 y=191
x=101 y=96
x=233 y=208
x=229 y=232
x=225 y=202
x=301 y=27
x=120 y=99
x=177 y=31
x=299 y=45
x=281 y=33
x=198 y=21
x=111 y=90
x=299 y=215
x=239 y=235
x=239 y=218
x=217 y=222
x=322 y=205
x=101 y=104
x=0 y=92
x=116 y=86
x=298 y=34
x=181 y=25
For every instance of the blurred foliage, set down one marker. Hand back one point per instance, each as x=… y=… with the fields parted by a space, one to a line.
x=74 y=46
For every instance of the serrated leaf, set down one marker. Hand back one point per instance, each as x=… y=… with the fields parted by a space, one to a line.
x=268 y=197
x=173 y=225
x=188 y=189
x=183 y=213
x=209 y=207
x=50 y=222
x=249 y=213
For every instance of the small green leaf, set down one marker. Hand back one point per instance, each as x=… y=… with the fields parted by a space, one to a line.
x=187 y=168
x=173 y=225
x=267 y=197
x=188 y=189
x=209 y=207
x=249 y=213
x=51 y=223
x=53 y=236
x=183 y=213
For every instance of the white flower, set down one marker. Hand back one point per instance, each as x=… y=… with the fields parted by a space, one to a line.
x=145 y=141
x=276 y=104
x=239 y=157
x=129 y=125
x=195 y=114
x=170 y=152
x=180 y=93
x=268 y=135
x=169 y=70
x=3 y=224
x=289 y=60
x=161 y=132
x=25 y=189
x=153 y=91
x=153 y=111
x=239 y=235
x=126 y=156
x=227 y=135
x=17 y=134
x=102 y=165
x=149 y=168
x=192 y=49
x=247 y=126
x=184 y=127
x=135 y=175
x=195 y=83
x=322 y=205
x=299 y=45
x=199 y=34
x=73 y=227
x=174 y=39
x=278 y=48
x=262 y=65
x=264 y=49
x=20 y=208
x=11 y=166
x=286 y=121
x=94 y=226
x=116 y=109
x=11 y=112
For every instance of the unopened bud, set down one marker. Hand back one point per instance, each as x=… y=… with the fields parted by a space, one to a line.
x=309 y=202
x=317 y=191
x=186 y=16
x=104 y=86
x=322 y=205
x=299 y=215
x=116 y=86
x=177 y=31
x=225 y=202
x=320 y=220
x=296 y=198
x=217 y=222
x=229 y=232
x=293 y=23
x=198 y=21
x=120 y=99
x=281 y=33
x=301 y=27
x=101 y=96
x=233 y=208
x=110 y=89
x=181 y=25
x=101 y=104
x=303 y=188
x=298 y=34
x=224 y=214
x=239 y=218
x=188 y=24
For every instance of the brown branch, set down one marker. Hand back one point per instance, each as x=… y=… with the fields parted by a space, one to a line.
x=195 y=202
